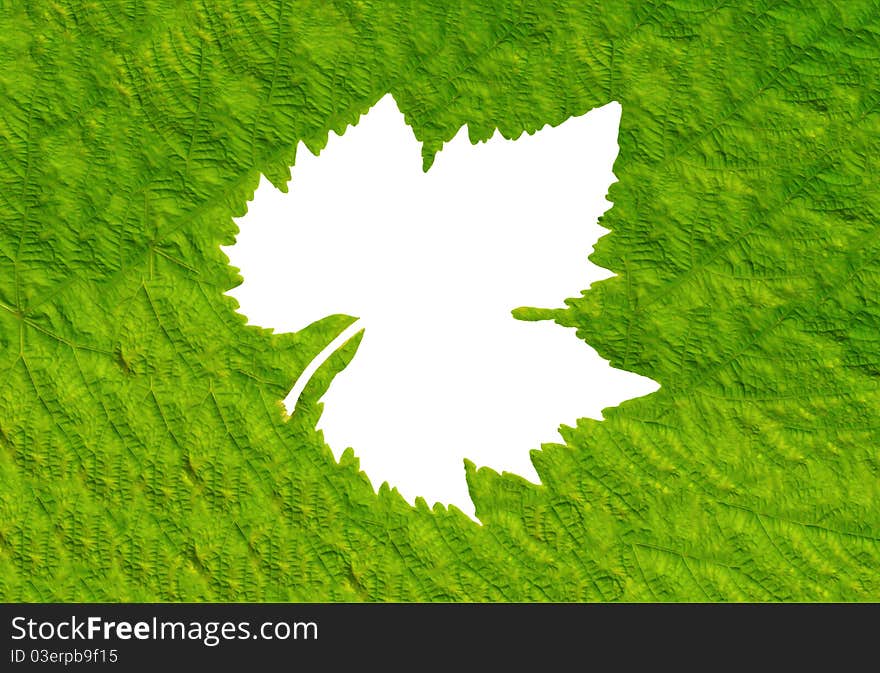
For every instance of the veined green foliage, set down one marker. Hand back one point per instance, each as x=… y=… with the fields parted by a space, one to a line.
x=144 y=452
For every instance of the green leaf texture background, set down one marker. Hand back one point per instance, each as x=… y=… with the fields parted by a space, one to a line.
x=144 y=451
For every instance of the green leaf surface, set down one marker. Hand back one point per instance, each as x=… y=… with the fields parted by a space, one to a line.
x=144 y=451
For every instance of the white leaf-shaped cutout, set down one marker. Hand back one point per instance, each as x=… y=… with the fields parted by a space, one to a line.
x=432 y=264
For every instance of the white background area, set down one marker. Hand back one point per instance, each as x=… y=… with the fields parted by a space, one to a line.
x=432 y=265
